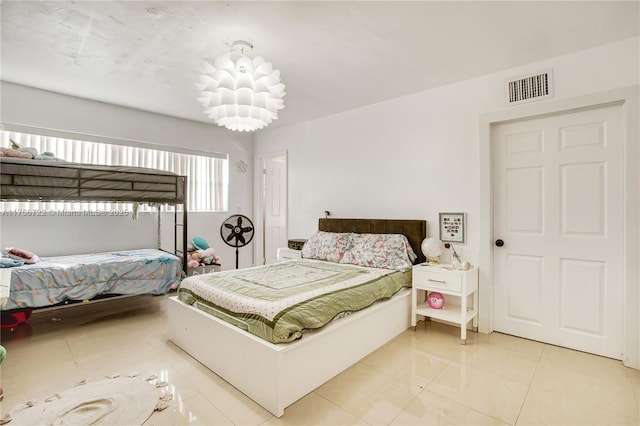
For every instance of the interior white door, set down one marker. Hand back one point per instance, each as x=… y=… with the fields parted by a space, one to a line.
x=275 y=207
x=559 y=210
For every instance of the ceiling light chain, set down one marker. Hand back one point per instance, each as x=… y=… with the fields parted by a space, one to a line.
x=238 y=92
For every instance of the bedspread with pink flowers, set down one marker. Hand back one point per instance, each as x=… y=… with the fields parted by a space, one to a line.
x=83 y=277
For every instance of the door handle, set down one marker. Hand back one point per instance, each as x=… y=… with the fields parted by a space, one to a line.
x=499 y=243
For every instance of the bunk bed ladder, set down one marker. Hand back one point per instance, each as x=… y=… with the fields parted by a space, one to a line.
x=183 y=225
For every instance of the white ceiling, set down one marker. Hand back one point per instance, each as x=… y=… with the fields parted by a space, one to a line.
x=333 y=56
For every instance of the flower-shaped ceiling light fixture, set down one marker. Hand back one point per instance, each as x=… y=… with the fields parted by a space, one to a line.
x=241 y=93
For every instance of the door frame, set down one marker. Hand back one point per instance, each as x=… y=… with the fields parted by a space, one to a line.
x=628 y=98
x=258 y=204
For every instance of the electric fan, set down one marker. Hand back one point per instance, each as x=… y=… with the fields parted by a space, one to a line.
x=237 y=231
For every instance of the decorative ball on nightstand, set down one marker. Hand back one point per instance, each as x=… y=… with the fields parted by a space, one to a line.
x=435 y=300
x=432 y=249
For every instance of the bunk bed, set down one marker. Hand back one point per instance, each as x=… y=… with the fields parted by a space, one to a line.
x=58 y=280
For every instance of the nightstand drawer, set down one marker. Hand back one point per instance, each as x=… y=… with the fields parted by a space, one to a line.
x=422 y=276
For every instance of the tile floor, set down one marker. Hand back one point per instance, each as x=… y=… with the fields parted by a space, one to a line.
x=420 y=378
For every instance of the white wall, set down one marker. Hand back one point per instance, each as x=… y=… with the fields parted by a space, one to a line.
x=65 y=235
x=416 y=156
x=419 y=155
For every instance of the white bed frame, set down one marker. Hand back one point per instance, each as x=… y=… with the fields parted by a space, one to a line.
x=276 y=376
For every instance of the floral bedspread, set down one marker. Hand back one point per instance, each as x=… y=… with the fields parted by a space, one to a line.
x=278 y=302
x=85 y=276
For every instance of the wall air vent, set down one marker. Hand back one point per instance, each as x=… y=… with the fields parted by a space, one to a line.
x=529 y=88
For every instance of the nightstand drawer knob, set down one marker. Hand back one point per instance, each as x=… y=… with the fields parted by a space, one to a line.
x=437 y=281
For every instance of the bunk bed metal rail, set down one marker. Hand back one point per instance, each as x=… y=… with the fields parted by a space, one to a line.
x=39 y=180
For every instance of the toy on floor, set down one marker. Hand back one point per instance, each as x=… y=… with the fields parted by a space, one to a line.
x=201 y=254
x=14 y=318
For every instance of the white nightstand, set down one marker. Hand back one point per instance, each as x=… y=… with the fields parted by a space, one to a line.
x=456 y=284
x=285 y=253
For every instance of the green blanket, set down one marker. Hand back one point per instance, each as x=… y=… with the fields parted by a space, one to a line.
x=278 y=302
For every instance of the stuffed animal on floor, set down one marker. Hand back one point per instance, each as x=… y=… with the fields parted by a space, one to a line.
x=199 y=257
x=193 y=262
x=15 y=318
x=208 y=256
x=201 y=254
x=200 y=243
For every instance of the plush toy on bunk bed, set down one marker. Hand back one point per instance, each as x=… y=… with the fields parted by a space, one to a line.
x=18 y=151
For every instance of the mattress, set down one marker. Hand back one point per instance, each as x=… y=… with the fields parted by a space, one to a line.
x=82 y=277
x=24 y=179
x=279 y=302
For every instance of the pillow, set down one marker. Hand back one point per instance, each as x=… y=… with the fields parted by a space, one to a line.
x=8 y=152
x=386 y=251
x=328 y=246
x=7 y=262
x=20 y=254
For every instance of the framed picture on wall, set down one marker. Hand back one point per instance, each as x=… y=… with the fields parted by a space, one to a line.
x=452 y=227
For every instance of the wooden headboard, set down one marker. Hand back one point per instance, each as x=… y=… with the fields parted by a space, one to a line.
x=414 y=230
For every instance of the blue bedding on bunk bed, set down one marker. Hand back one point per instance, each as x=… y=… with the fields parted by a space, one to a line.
x=82 y=277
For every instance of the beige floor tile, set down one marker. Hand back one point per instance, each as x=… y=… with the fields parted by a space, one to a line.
x=32 y=363
x=372 y=395
x=108 y=351
x=554 y=408
x=22 y=341
x=615 y=386
x=431 y=409
x=36 y=382
x=236 y=406
x=559 y=395
x=500 y=360
x=505 y=341
x=437 y=339
x=634 y=378
x=196 y=410
x=403 y=362
x=583 y=362
x=488 y=393
x=314 y=410
x=483 y=382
